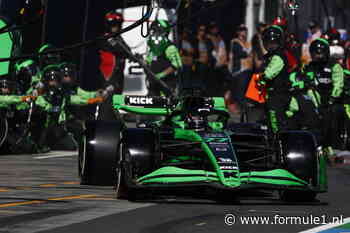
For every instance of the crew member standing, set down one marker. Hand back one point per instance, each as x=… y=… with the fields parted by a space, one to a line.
x=112 y=53
x=112 y=61
x=163 y=57
x=275 y=77
x=327 y=77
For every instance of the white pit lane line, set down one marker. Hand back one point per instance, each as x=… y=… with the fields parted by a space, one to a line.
x=326 y=227
x=57 y=154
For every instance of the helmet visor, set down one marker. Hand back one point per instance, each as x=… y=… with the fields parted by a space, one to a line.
x=271 y=45
x=319 y=52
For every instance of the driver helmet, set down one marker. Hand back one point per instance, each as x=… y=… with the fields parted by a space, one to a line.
x=194 y=119
x=195 y=122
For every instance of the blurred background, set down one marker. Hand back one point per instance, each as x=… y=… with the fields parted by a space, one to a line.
x=68 y=22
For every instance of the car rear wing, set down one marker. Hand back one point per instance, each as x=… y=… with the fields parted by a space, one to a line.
x=152 y=105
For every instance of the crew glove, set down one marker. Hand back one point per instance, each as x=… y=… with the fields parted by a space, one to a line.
x=96 y=100
x=28 y=98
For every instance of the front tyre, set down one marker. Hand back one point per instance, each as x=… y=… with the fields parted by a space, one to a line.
x=297 y=196
x=139 y=157
x=299 y=157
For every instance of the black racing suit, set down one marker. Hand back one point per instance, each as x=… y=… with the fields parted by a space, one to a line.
x=112 y=63
x=113 y=56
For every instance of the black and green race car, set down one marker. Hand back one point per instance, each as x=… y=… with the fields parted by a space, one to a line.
x=192 y=146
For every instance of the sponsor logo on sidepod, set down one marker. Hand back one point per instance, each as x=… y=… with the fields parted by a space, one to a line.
x=140 y=100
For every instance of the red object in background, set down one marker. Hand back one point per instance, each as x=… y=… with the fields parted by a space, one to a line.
x=292 y=61
x=347 y=58
x=108 y=63
x=280 y=21
x=347 y=63
x=332 y=36
x=254 y=92
x=114 y=16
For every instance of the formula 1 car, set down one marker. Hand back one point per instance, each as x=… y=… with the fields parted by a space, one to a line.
x=193 y=146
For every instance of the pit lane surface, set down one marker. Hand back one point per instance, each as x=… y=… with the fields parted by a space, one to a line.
x=41 y=193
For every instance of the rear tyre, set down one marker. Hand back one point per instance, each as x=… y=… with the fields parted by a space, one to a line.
x=98 y=153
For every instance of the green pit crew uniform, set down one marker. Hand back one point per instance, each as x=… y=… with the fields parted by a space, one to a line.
x=275 y=77
x=74 y=123
x=159 y=62
x=77 y=97
x=163 y=57
x=328 y=80
x=59 y=117
x=303 y=111
x=346 y=106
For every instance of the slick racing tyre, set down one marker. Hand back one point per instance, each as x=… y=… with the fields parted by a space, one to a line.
x=299 y=156
x=98 y=153
x=139 y=155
